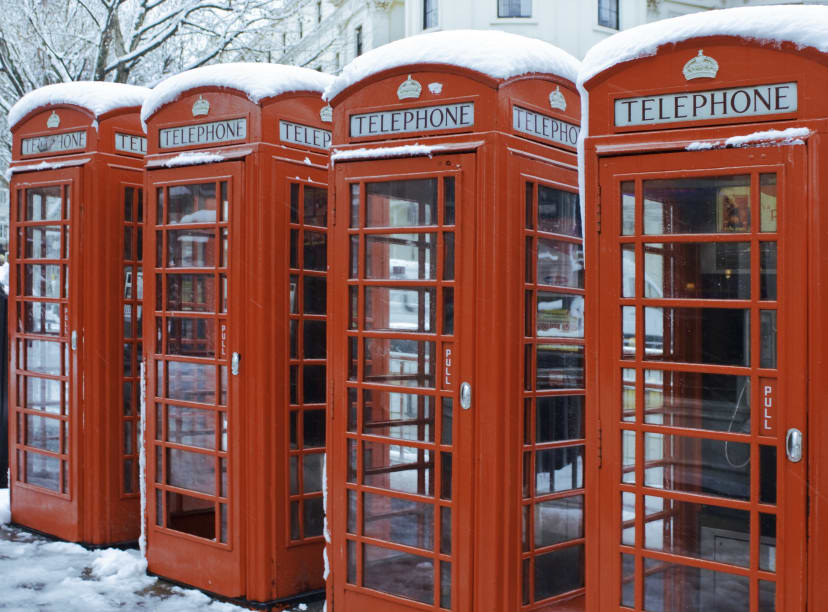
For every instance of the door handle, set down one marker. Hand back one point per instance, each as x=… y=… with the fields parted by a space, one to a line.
x=793 y=445
x=234 y=364
x=465 y=396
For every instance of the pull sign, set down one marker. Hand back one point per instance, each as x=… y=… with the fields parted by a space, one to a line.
x=465 y=396
x=234 y=364
x=768 y=393
x=793 y=445
x=448 y=366
x=74 y=340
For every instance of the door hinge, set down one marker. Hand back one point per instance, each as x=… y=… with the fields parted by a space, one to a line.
x=598 y=211
x=600 y=446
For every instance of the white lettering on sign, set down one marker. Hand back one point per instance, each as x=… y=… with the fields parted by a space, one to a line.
x=130 y=143
x=304 y=135
x=768 y=386
x=542 y=126
x=424 y=119
x=701 y=105
x=203 y=133
x=54 y=143
x=447 y=372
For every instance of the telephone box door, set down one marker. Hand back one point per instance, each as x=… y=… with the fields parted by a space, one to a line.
x=192 y=415
x=45 y=340
x=402 y=373
x=702 y=369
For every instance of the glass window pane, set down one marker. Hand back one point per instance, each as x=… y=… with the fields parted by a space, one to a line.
x=401 y=521
x=43 y=242
x=194 y=471
x=403 y=309
x=191 y=336
x=627 y=208
x=43 y=471
x=716 y=402
x=627 y=270
x=315 y=251
x=316 y=206
x=192 y=204
x=313 y=384
x=401 y=203
x=559 y=469
x=767 y=474
x=313 y=428
x=400 y=256
x=313 y=339
x=767 y=202
x=408 y=363
x=398 y=468
x=697 y=465
x=767 y=542
x=405 y=416
x=191 y=426
x=560 y=315
x=560 y=263
x=43 y=433
x=448 y=200
x=559 y=571
x=355 y=205
x=767 y=596
x=191 y=292
x=559 y=418
x=767 y=338
x=669 y=586
x=43 y=356
x=192 y=248
x=41 y=318
x=312 y=472
x=560 y=366
x=628 y=456
x=43 y=394
x=313 y=516
x=628 y=518
x=398 y=573
x=42 y=281
x=294 y=203
x=191 y=515
x=767 y=270
x=43 y=204
x=191 y=382
x=315 y=294
x=709 y=270
x=628 y=395
x=698 y=335
x=559 y=212
x=697 y=205
x=559 y=520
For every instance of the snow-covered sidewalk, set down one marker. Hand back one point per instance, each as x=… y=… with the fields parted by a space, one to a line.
x=40 y=574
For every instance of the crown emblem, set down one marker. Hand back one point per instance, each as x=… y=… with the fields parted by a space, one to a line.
x=557 y=100
x=326 y=114
x=435 y=88
x=200 y=107
x=409 y=89
x=53 y=121
x=701 y=66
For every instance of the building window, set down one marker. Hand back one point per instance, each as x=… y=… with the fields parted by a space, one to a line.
x=608 y=13
x=429 y=14
x=514 y=8
x=358 y=41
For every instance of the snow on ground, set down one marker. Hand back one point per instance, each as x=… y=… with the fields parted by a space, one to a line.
x=500 y=55
x=40 y=574
x=257 y=81
x=97 y=97
x=803 y=26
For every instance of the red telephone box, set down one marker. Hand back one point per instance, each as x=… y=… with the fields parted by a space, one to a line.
x=457 y=439
x=76 y=217
x=706 y=332
x=237 y=264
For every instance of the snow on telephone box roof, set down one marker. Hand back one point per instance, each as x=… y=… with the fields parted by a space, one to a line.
x=256 y=81
x=497 y=54
x=803 y=26
x=98 y=97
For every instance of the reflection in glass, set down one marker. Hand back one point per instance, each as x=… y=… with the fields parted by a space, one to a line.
x=43 y=471
x=312 y=472
x=43 y=242
x=41 y=280
x=448 y=200
x=627 y=208
x=313 y=339
x=41 y=318
x=398 y=468
x=560 y=315
x=767 y=202
x=400 y=256
x=192 y=248
x=314 y=294
x=401 y=203
x=716 y=402
x=43 y=356
x=313 y=516
x=408 y=363
x=767 y=474
x=191 y=382
x=559 y=469
x=697 y=465
x=767 y=596
x=355 y=205
x=559 y=520
x=767 y=270
x=559 y=571
x=189 y=514
x=559 y=212
x=709 y=270
x=316 y=206
x=767 y=339
x=767 y=542
x=628 y=332
x=560 y=366
x=313 y=428
x=313 y=384
x=405 y=416
x=628 y=456
x=560 y=263
x=628 y=519
x=192 y=204
x=315 y=251
x=398 y=573
x=194 y=471
x=191 y=292
x=43 y=204
x=43 y=394
x=191 y=336
x=43 y=433
x=698 y=335
x=558 y=418
x=697 y=205
x=403 y=309
x=191 y=426
x=669 y=587
x=628 y=396
x=401 y=521
x=628 y=270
